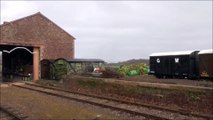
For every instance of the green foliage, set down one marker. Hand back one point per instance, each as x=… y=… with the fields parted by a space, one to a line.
x=61 y=68
x=60 y=71
x=133 y=72
x=133 y=69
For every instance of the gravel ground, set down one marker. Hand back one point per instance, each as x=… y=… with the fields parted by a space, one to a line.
x=40 y=106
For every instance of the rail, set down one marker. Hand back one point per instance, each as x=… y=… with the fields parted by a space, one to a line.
x=56 y=92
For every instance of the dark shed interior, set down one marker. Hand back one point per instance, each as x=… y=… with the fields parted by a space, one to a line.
x=17 y=62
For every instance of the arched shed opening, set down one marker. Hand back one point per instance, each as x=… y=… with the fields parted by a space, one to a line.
x=16 y=62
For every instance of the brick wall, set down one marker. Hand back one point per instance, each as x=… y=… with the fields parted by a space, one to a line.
x=37 y=29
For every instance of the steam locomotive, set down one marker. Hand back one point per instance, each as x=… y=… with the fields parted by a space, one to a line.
x=183 y=64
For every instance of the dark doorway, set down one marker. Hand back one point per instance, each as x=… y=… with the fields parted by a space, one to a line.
x=47 y=69
x=0 y=66
x=17 y=62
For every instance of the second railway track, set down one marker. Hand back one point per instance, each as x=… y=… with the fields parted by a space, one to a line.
x=150 y=112
x=6 y=114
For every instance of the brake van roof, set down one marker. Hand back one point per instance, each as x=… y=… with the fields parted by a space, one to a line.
x=172 y=53
x=209 y=51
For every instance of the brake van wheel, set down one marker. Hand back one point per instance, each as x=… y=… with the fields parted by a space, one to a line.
x=169 y=77
x=159 y=76
x=193 y=77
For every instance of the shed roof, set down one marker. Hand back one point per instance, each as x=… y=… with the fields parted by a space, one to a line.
x=78 y=60
x=209 y=51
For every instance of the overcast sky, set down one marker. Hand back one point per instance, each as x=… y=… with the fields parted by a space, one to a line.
x=122 y=30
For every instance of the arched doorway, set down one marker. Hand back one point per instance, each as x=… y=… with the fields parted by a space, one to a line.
x=47 y=69
x=17 y=63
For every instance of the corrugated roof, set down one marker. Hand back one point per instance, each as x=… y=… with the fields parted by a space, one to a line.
x=76 y=60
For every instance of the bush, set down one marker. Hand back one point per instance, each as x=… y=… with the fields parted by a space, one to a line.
x=133 y=69
x=110 y=72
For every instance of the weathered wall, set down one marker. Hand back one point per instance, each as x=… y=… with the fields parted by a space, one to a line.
x=37 y=29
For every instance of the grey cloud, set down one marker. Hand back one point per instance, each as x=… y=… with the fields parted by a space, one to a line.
x=121 y=30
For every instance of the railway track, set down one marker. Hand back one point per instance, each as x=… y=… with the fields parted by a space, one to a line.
x=148 y=111
x=6 y=114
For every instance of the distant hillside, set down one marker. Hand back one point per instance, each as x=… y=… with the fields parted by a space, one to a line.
x=132 y=61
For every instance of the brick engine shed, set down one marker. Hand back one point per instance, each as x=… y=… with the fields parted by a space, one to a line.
x=27 y=41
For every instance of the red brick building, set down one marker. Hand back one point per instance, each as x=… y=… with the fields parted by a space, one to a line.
x=36 y=34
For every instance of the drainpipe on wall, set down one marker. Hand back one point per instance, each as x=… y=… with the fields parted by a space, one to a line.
x=35 y=63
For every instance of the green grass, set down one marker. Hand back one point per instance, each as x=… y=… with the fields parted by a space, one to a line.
x=92 y=83
x=206 y=83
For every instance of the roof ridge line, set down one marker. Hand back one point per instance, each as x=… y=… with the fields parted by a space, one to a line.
x=20 y=19
x=38 y=13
